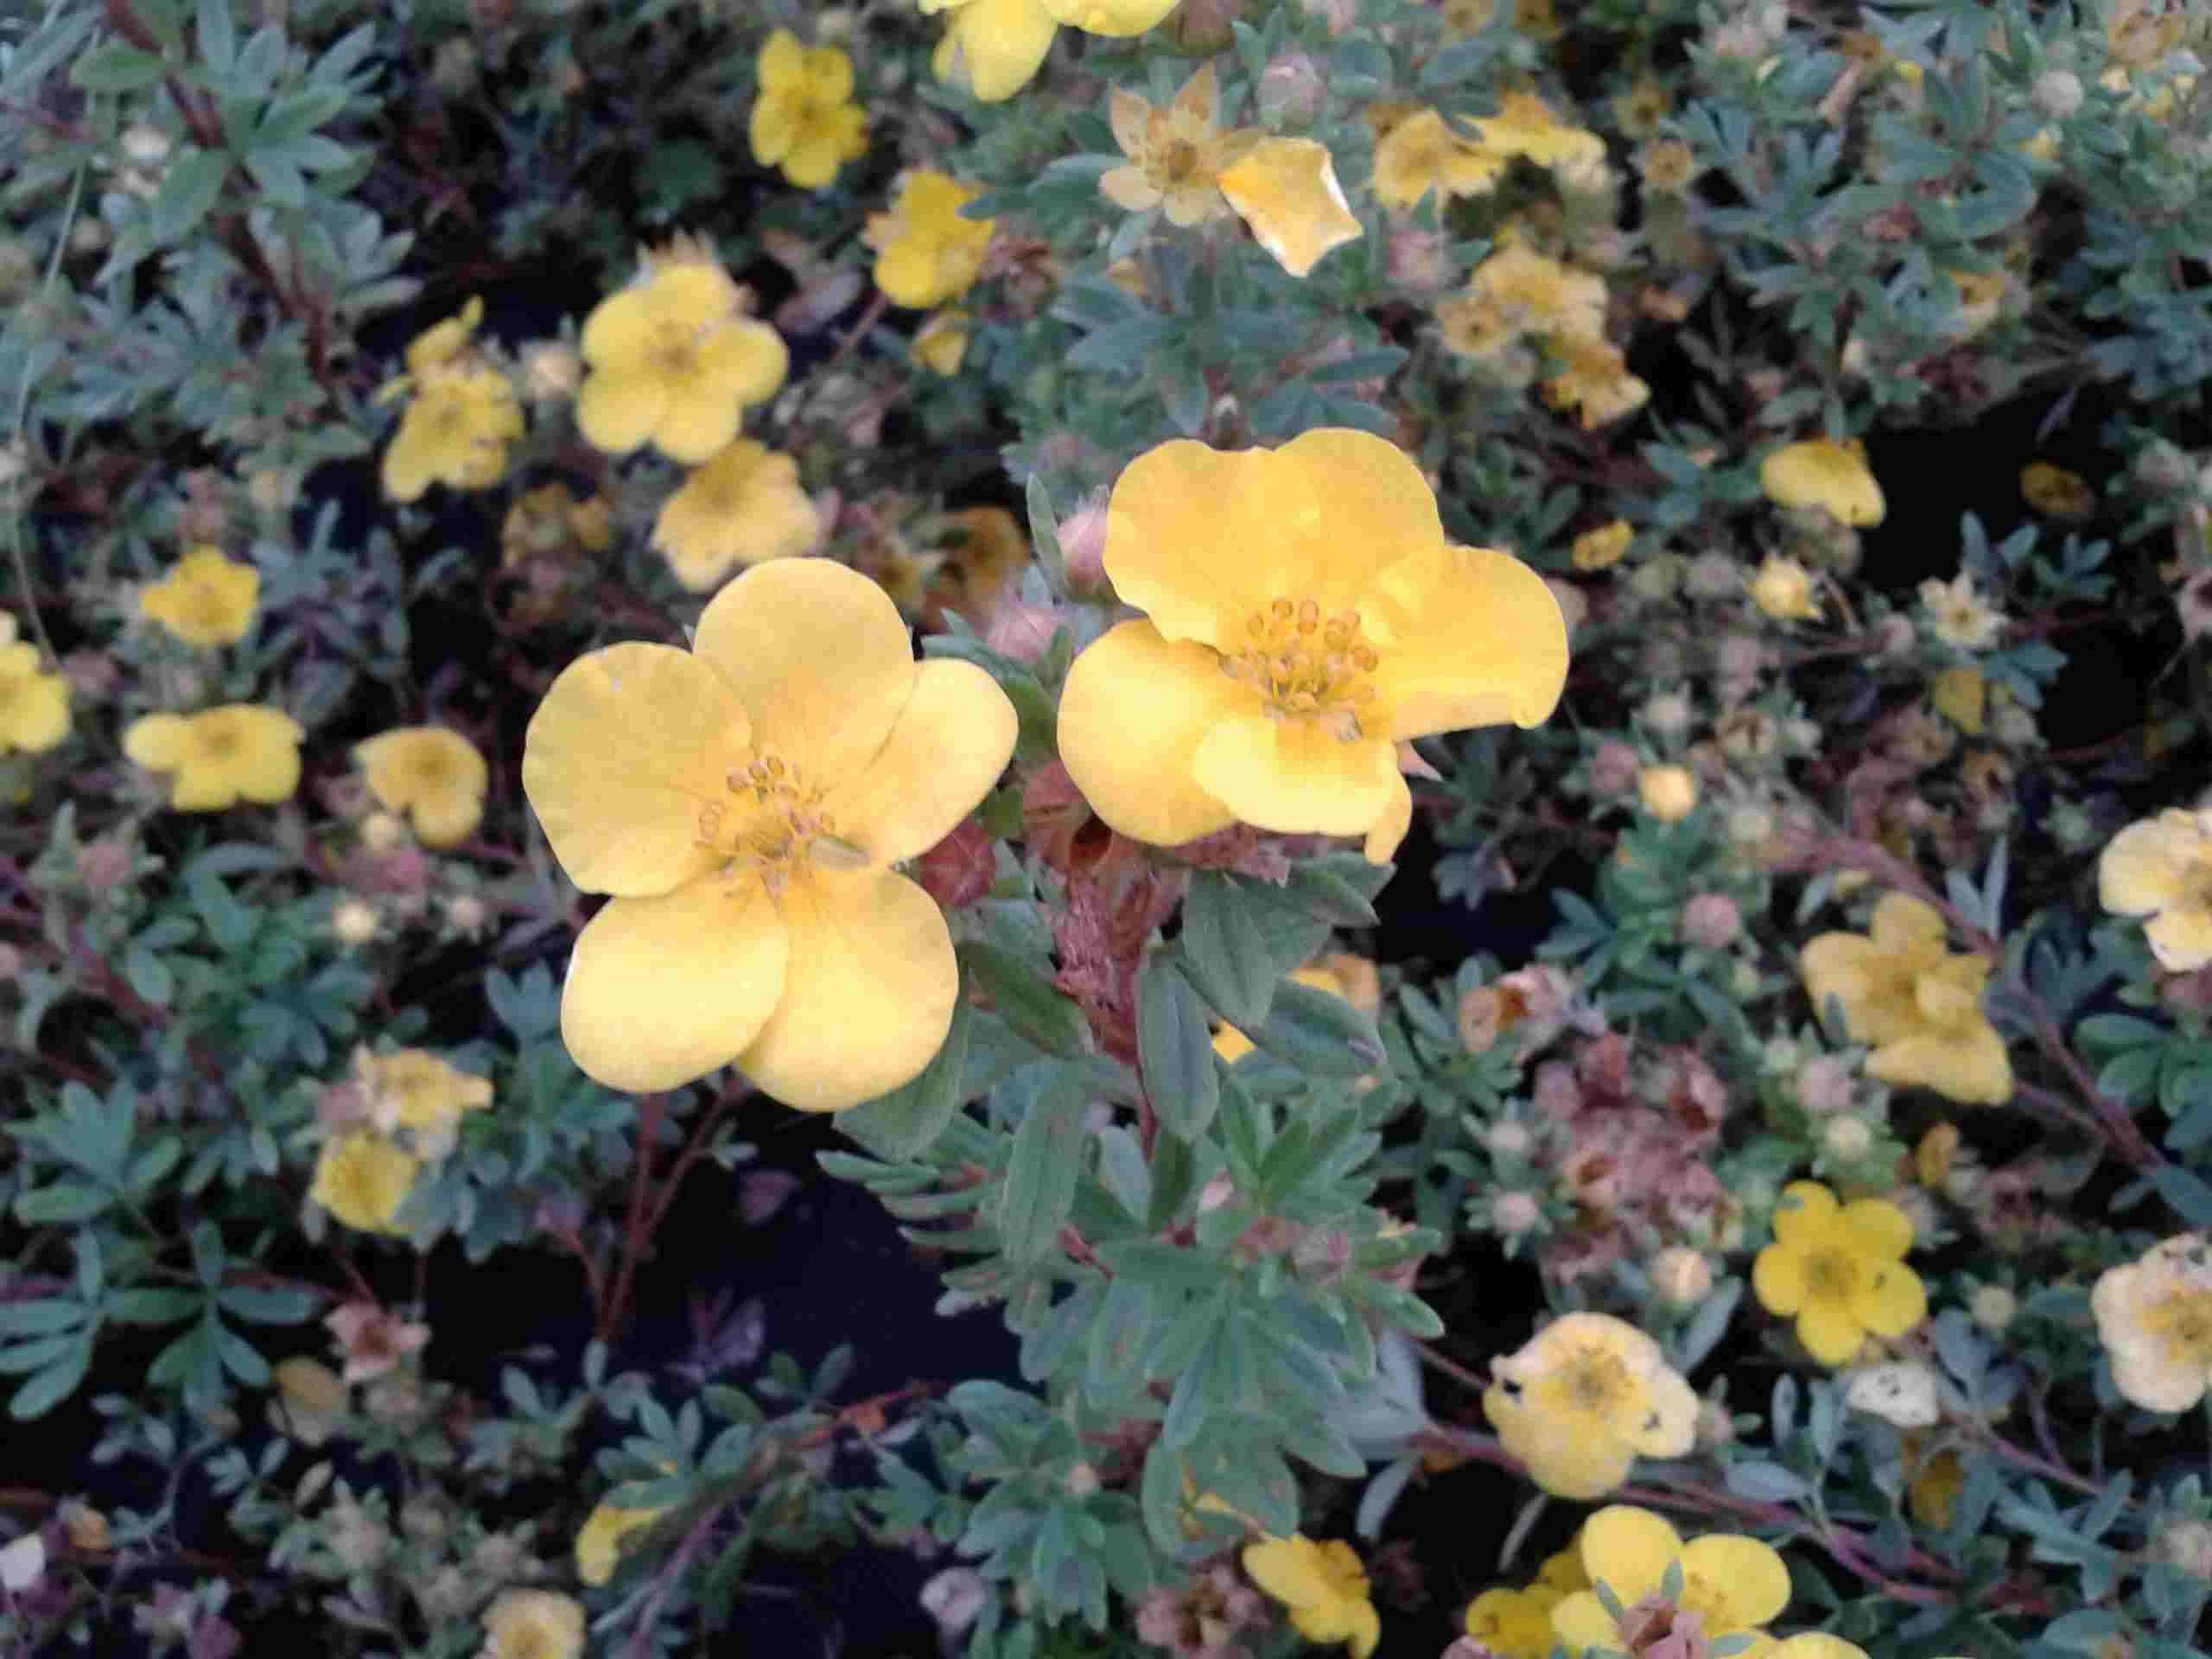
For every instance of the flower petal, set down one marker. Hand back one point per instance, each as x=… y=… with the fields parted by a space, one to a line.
x=1479 y=641
x=664 y=990
x=617 y=408
x=1109 y=17
x=747 y=360
x=1878 y=1228
x=1778 y=1277
x=997 y=46
x=1669 y=1427
x=1134 y=711
x=1902 y=923
x=1969 y=1064
x=820 y=658
x=629 y=745
x=620 y=327
x=2147 y=866
x=1807 y=1215
x=868 y=997
x=1581 y=1622
x=1628 y=1550
x=952 y=741
x=1384 y=835
x=1296 y=775
x=155 y=741
x=2181 y=939
x=1286 y=190
x=1829 y=1332
x=1751 y=1581
x=1889 y=1299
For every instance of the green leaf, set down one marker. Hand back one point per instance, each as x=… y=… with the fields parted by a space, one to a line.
x=1174 y=1049
x=2188 y=1195
x=903 y=1124
x=1030 y=1007
x=152 y=1306
x=1044 y=532
x=1225 y=952
x=63 y=1202
x=1340 y=887
x=1320 y=1034
x=1114 y=1366
x=116 y=68
x=189 y=190
x=268 y=1304
x=1042 y=1170
x=50 y=1387
x=217 y=35
x=43 y=1318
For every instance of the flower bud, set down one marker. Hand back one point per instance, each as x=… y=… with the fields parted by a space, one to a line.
x=1993 y=1308
x=1417 y=259
x=1847 y=1137
x=1507 y=1139
x=1083 y=545
x=1669 y=793
x=1681 y=1276
x=355 y=921
x=1712 y=921
x=1613 y=768
x=1514 y=1213
x=954 y=1599
x=1292 y=88
x=2187 y=1545
x=1823 y=1086
x=146 y=146
x=1668 y=714
x=2056 y=94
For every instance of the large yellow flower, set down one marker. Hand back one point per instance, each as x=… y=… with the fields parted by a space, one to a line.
x=362 y=1179
x=34 y=705
x=235 y=752
x=206 y=600
x=1305 y=614
x=1917 y=1002
x=1823 y=473
x=1584 y=1398
x=925 y=253
x=432 y=774
x=1176 y=154
x=1322 y=1585
x=744 y=802
x=804 y=120
x=1841 y=1270
x=1733 y=1585
x=1286 y=190
x=2154 y=1318
x=994 y=48
x=2162 y=867
x=744 y=506
x=533 y=1624
x=674 y=361
x=462 y=417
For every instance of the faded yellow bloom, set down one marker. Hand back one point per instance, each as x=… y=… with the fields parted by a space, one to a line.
x=2057 y=493
x=461 y=416
x=1322 y=1585
x=1421 y=153
x=941 y=343
x=1839 y=1270
x=804 y=121
x=1915 y=1001
x=2154 y=1317
x=742 y=508
x=1959 y=616
x=1782 y=589
x=432 y=774
x=1286 y=191
x=533 y=1624
x=1602 y=548
x=2162 y=867
x=599 y=1545
x=1518 y=291
x=34 y=705
x=1594 y=380
x=1175 y=153
x=311 y=1397
x=1305 y=613
x=674 y=361
x=1823 y=473
x=994 y=48
x=549 y=522
x=1961 y=695
x=1584 y=1398
x=208 y=600
x=362 y=1179
x=1734 y=1584
x=413 y=1090
x=745 y=802
x=925 y=253
x=235 y=752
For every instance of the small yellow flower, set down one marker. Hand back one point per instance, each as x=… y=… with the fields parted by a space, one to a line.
x=549 y=522
x=1518 y=291
x=1584 y=1398
x=925 y=253
x=34 y=705
x=1322 y=1585
x=534 y=1624
x=1305 y=613
x=432 y=774
x=206 y=600
x=674 y=361
x=1917 y=1003
x=1734 y=1584
x=941 y=343
x=1668 y=793
x=805 y=121
x=413 y=1090
x=1839 y=1270
x=2056 y=493
x=599 y=1545
x=362 y=1179
x=1594 y=381
x=2154 y=1318
x=745 y=802
x=238 y=751
x=1932 y=1489
x=1959 y=616
x=2162 y=867
x=1782 y=589
x=1286 y=192
x=993 y=47
x=1421 y=153
x=1524 y=126
x=1822 y=473
x=1961 y=695
x=742 y=508
x=462 y=415
x=1603 y=547
x=1175 y=153
x=1513 y=1623
x=312 y=1398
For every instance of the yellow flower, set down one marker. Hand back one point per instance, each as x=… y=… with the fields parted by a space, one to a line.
x=1286 y=190
x=993 y=47
x=414 y=1089
x=206 y=600
x=1668 y=793
x=1782 y=589
x=362 y=1179
x=549 y=522
x=742 y=508
x=1916 y=1002
x=1814 y=1644
x=745 y=802
x=2154 y=1318
x=1822 y=473
x=1961 y=695
x=1175 y=153
x=2162 y=867
x=1734 y=1584
x=1594 y=381
x=1339 y=973
x=2056 y=493
x=925 y=253
x=311 y=1397
x=1420 y=154
x=1932 y=1490
x=462 y=416
x=34 y=706
x=1525 y=126
x=942 y=342
x=235 y=752
x=1304 y=614
x=1959 y=616
x=1583 y=1398
x=1518 y=291
x=1323 y=1585
x=1841 y=1270
x=432 y=774
x=1561 y=1574
x=1602 y=548
x=1513 y=1623
x=805 y=121
x=599 y=1545
x=534 y=1624
x=674 y=361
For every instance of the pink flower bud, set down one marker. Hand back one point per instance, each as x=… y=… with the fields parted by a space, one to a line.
x=1712 y=921
x=1021 y=630
x=1083 y=545
x=1614 y=768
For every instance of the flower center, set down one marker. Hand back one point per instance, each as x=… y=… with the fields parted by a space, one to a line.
x=2183 y=1320
x=1179 y=161
x=773 y=825
x=219 y=740
x=1306 y=666
x=1830 y=1276
x=1594 y=1382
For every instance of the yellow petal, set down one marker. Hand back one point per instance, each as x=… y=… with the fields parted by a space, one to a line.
x=1815 y=1644
x=1481 y=641
x=783 y=60
x=1745 y=1582
x=1196 y=537
x=622 y=327
x=1821 y=472
x=2148 y=865
x=630 y=744
x=1374 y=519
x=664 y=990
x=1562 y=1456
x=952 y=741
x=1668 y=1427
x=618 y=409
x=1889 y=1299
x=1806 y=1214
x=1778 y=1277
x=2181 y=939
x=1118 y=17
x=1877 y=1228
x=1628 y=1550
x=748 y=360
x=1286 y=1568
x=1132 y=716
x=1285 y=189
x=156 y=740
x=1296 y=776
x=1385 y=834
x=818 y=656
x=1581 y=1622
x=868 y=997
x=1829 y=1332
x=1969 y=1065
x=997 y=46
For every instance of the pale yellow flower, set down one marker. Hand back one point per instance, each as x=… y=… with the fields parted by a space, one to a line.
x=1959 y=616
x=311 y=1397
x=2154 y=1317
x=926 y=253
x=362 y=1179
x=994 y=48
x=1734 y=1584
x=599 y=1545
x=34 y=705
x=804 y=120
x=413 y=1090
x=941 y=343
x=1782 y=589
x=1669 y=793
x=743 y=507
x=432 y=774
x=238 y=751
x=1286 y=192
x=1602 y=548
x=1584 y=1398
x=1594 y=381
x=1823 y=473
x=533 y=1624
x=1322 y=1585
x=2057 y=493
x=1961 y=695
x=2162 y=867
x=1175 y=153
x=208 y=600
x=1840 y=1270
x=1518 y=291
x=1513 y=1623
x=1421 y=153
x=461 y=415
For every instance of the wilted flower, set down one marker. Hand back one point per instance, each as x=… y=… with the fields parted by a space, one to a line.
x=1839 y=1270
x=1782 y=589
x=1175 y=153
x=1959 y=616
x=414 y=1089
x=534 y=1624
x=371 y=1341
x=362 y=1179
x=1824 y=473
x=312 y=1398
x=2162 y=867
x=1596 y=549
x=208 y=600
x=2154 y=1317
x=1286 y=191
